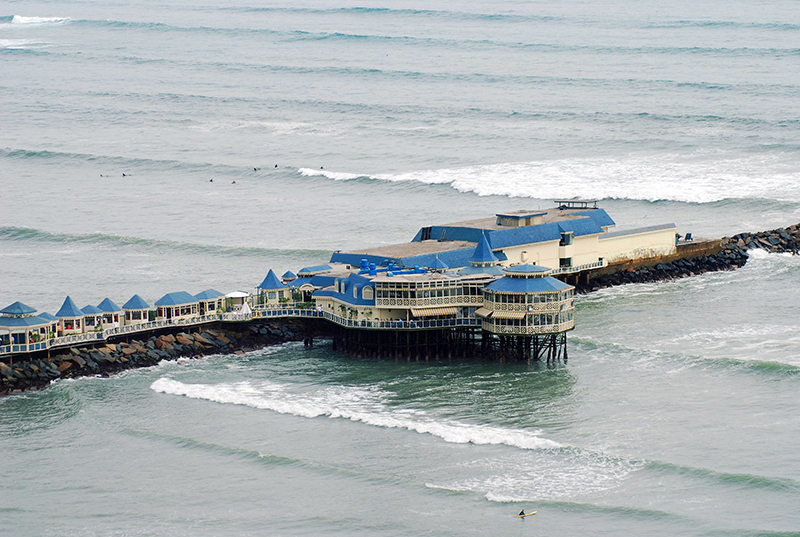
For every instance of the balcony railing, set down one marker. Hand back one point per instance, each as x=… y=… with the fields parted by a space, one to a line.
x=578 y=268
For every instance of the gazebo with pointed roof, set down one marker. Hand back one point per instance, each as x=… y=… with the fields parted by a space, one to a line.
x=111 y=313
x=92 y=317
x=21 y=325
x=70 y=317
x=136 y=310
x=272 y=291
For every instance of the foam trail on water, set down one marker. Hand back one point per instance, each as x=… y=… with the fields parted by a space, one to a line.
x=356 y=404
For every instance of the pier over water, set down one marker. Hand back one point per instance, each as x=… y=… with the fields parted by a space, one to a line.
x=501 y=287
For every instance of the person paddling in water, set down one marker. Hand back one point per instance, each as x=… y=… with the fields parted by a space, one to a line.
x=521 y=513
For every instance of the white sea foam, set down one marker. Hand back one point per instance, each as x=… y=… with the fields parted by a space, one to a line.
x=665 y=177
x=567 y=475
x=19 y=19
x=356 y=404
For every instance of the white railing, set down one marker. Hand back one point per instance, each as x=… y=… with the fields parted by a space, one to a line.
x=529 y=330
x=579 y=268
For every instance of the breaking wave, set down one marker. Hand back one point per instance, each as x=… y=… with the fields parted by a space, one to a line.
x=355 y=404
x=655 y=178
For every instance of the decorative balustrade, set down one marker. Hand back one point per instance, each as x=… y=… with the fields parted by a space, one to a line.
x=529 y=330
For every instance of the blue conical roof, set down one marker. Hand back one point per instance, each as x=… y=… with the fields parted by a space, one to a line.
x=48 y=316
x=271 y=282
x=136 y=303
x=289 y=275
x=107 y=306
x=91 y=310
x=18 y=308
x=69 y=309
x=483 y=253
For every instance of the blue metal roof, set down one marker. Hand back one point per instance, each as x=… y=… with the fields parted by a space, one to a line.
x=69 y=309
x=106 y=306
x=178 y=298
x=136 y=303
x=516 y=236
x=600 y=216
x=91 y=310
x=47 y=316
x=438 y=264
x=583 y=226
x=493 y=270
x=17 y=308
x=316 y=268
x=527 y=285
x=22 y=322
x=482 y=253
x=208 y=294
x=453 y=259
x=451 y=233
x=271 y=281
x=317 y=281
x=352 y=281
x=355 y=259
x=289 y=275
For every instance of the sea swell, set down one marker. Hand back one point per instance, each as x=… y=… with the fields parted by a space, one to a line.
x=22 y=234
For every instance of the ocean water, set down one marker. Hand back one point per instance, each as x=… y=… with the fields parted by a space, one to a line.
x=168 y=146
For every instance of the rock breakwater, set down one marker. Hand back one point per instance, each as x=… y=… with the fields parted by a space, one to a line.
x=115 y=357
x=732 y=255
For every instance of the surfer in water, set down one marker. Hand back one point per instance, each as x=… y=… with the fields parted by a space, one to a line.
x=521 y=513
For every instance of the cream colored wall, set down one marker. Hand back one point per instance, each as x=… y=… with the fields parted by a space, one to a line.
x=583 y=250
x=540 y=253
x=638 y=245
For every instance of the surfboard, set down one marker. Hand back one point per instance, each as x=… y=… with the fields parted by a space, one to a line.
x=526 y=514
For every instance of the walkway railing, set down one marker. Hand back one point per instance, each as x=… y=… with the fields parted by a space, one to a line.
x=289 y=311
x=579 y=268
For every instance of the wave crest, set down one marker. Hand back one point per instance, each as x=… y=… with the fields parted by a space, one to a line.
x=355 y=404
x=653 y=178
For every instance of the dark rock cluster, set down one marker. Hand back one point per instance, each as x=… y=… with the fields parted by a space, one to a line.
x=785 y=239
x=732 y=256
x=115 y=357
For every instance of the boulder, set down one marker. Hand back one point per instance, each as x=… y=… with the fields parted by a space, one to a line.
x=184 y=340
x=63 y=366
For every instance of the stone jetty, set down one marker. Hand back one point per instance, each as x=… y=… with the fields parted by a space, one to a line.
x=115 y=357
x=728 y=253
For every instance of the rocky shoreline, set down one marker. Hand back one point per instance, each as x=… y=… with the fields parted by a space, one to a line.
x=113 y=358
x=732 y=255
